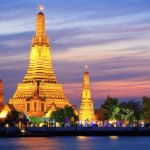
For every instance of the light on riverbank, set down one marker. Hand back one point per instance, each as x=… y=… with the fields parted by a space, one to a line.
x=3 y=114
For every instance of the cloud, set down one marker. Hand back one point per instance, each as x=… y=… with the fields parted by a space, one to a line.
x=112 y=38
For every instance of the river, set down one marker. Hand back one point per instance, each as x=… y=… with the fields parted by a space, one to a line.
x=76 y=143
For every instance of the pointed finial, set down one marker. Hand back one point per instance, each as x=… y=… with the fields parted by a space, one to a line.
x=41 y=8
x=86 y=68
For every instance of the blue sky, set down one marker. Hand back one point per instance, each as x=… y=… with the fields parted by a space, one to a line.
x=110 y=36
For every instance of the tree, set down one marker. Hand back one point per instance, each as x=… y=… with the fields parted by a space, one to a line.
x=61 y=114
x=130 y=111
x=12 y=117
x=100 y=114
x=68 y=112
x=58 y=115
x=111 y=107
x=136 y=107
x=146 y=108
x=125 y=112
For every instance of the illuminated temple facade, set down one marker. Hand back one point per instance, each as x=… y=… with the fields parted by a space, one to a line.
x=39 y=94
x=87 y=108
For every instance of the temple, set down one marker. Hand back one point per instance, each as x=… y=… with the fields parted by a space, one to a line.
x=39 y=94
x=86 y=109
x=1 y=95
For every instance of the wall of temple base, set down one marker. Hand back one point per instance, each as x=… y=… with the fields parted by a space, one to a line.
x=42 y=107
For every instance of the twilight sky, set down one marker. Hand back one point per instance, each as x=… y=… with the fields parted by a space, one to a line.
x=111 y=36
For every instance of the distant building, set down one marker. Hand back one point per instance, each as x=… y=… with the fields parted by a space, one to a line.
x=86 y=109
x=1 y=95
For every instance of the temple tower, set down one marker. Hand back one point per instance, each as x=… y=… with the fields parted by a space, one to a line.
x=86 y=109
x=39 y=89
x=1 y=95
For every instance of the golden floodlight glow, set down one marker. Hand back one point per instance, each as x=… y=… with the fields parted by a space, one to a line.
x=86 y=109
x=41 y=8
x=113 y=137
x=3 y=114
x=86 y=67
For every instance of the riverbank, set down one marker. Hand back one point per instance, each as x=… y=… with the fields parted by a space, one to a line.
x=73 y=131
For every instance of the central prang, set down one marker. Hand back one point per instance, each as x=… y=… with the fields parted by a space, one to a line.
x=39 y=94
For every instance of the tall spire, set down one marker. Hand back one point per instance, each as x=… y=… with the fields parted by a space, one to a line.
x=86 y=68
x=86 y=109
x=40 y=8
x=40 y=23
x=86 y=93
x=40 y=59
x=39 y=89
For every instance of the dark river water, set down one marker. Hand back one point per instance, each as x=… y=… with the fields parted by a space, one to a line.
x=76 y=143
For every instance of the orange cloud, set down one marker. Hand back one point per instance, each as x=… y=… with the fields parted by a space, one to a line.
x=112 y=88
